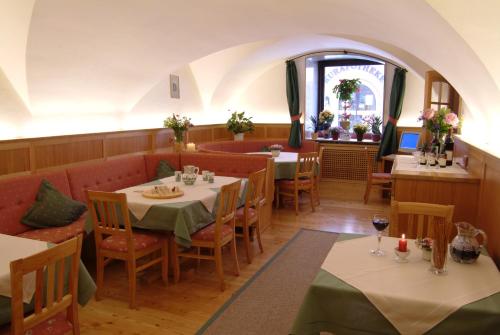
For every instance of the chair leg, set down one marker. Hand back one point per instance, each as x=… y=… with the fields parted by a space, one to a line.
x=311 y=197
x=367 y=192
x=235 y=257
x=198 y=260
x=277 y=197
x=164 y=262
x=72 y=315
x=132 y=282
x=296 y=199
x=100 y=276
x=219 y=267
x=246 y=239
x=257 y=229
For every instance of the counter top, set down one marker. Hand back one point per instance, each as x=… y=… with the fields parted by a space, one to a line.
x=405 y=167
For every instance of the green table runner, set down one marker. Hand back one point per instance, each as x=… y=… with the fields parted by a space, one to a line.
x=334 y=306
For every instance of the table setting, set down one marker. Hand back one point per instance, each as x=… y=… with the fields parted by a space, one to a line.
x=401 y=287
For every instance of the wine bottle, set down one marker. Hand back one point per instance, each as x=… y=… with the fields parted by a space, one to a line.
x=449 y=145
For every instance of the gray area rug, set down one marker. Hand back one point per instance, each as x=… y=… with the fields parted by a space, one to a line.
x=270 y=300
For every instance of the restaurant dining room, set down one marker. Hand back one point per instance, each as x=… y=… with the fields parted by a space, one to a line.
x=249 y=167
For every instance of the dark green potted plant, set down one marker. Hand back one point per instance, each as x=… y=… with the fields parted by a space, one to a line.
x=375 y=122
x=336 y=133
x=238 y=124
x=315 y=127
x=344 y=90
x=360 y=129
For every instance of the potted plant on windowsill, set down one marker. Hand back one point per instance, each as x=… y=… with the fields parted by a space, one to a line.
x=344 y=90
x=336 y=133
x=345 y=121
x=179 y=125
x=374 y=123
x=315 y=128
x=238 y=124
x=275 y=149
x=360 y=129
x=325 y=119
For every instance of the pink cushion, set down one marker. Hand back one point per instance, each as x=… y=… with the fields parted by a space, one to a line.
x=378 y=175
x=237 y=166
x=17 y=194
x=57 y=234
x=153 y=160
x=208 y=233
x=53 y=326
x=119 y=242
x=240 y=213
x=107 y=176
x=289 y=183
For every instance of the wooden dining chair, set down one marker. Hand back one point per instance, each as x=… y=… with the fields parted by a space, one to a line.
x=115 y=239
x=249 y=216
x=303 y=180
x=380 y=180
x=57 y=311
x=317 y=176
x=216 y=235
x=415 y=219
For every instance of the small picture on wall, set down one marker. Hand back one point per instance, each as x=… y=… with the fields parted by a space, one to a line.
x=174 y=87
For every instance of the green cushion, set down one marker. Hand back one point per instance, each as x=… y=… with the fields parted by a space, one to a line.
x=164 y=170
x=52 y=208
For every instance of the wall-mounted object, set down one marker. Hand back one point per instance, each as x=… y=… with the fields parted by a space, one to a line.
x=174 y=87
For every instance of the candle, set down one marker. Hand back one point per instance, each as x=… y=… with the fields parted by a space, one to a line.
x=190 y=147
x=403 y=244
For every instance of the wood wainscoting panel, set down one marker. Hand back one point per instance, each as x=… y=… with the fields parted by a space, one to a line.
x=258 y=133
x=15 y=159
x=163 y=138
x=220 y=133
x=489 y=206
x=50 y=153
x=200 y=134
x=128 y=143
x=279 y=131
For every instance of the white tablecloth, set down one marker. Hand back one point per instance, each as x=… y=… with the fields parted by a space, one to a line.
x=412 y=298
x=13 y=248
x=201 y=191
x=284 y=157
x=408 y=164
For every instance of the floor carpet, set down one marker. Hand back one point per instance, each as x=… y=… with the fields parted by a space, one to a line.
x=269 y=301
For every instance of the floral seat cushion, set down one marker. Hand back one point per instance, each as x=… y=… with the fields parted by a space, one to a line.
x=54 y=326
x=119 y=242
x=289 y=183
x=56 y=234
x=208 y=233
x=240 y=213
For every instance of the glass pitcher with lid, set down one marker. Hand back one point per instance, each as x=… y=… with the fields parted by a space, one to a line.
x=465 y=247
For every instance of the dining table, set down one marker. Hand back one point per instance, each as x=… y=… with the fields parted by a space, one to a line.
x=355 y=292
x=183 y=215
x=284 y=164
x=13 y=248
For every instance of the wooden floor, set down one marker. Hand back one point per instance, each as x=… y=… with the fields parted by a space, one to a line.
x=183 y=308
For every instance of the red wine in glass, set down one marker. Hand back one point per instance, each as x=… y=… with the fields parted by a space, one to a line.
x=380 y=222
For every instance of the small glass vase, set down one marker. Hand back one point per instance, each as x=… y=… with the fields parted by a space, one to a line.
x=439 y=256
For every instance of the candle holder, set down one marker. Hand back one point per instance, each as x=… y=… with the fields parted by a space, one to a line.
x=401 y=256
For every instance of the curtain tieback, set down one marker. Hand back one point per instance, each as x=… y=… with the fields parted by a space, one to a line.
x=296 y=117
x=393 y=120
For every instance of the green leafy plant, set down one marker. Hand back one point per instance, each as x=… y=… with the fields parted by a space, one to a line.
x=238 y=123
x=179 y=125
x=439 y=121
x=374 y=122
x=314 y=121
x=345 y=88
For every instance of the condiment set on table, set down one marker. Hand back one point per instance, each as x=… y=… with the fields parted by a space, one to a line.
x=190 y=175
x=464 y=248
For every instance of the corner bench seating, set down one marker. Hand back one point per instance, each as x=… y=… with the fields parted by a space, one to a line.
x=18 y=193
x=253 y=146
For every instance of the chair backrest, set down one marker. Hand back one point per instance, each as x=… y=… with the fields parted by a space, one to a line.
x=228 y=198
x=255 y=196
x=109 y=212
x=55 y=260
x=320 y=160
x=369 y=165
x=305 y=166
x=421 y=219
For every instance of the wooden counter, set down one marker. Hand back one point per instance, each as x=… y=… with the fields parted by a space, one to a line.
x=448 y=186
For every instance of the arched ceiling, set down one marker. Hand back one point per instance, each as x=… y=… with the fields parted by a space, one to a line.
x=71 y=58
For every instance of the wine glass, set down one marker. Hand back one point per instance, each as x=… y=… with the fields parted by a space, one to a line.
x=380 y=222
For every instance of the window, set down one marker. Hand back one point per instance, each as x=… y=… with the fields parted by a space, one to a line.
x=368 y=100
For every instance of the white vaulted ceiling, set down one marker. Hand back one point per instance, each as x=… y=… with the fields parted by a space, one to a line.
x=97 y=63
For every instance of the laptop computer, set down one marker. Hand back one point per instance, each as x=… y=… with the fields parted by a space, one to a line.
x=409 y=141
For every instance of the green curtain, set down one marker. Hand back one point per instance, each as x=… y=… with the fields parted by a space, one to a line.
x=389 y=143
x=292 y=95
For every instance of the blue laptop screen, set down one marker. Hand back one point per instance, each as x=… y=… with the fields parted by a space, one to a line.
x=409 y=141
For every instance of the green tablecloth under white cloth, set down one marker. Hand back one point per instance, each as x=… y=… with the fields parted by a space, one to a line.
x=333 y=305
